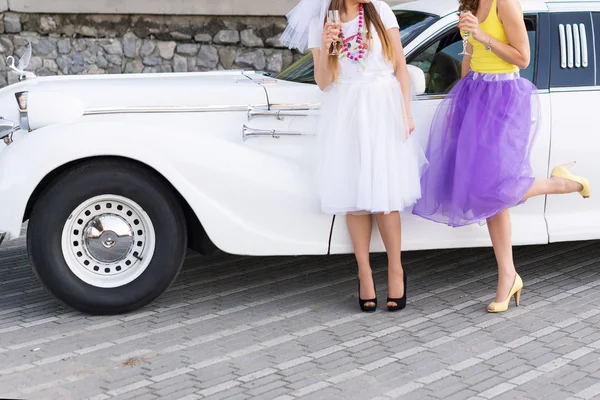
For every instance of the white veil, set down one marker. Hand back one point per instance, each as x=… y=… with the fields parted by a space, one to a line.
x=299 y=19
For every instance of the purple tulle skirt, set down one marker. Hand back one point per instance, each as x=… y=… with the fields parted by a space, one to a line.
x=479 y=149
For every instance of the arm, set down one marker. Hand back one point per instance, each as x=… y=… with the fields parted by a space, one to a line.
x=466 y=61
x=402 y=73
x=511 y=15
x=323 y=73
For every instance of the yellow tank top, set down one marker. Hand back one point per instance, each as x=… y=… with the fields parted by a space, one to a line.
x=487 y=62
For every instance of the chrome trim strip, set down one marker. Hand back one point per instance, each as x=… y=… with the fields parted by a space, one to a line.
x=594 y=53
x=255 y=112
x=577 y=42
x=432 y=96
x=563 y=46
x=422 y=97
x=199 y=109
x=295 y=107
x=575 y=89
x=584 y=46
x=165 y=109
x=248 y=133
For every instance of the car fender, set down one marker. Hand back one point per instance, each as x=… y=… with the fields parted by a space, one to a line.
x=164 y=144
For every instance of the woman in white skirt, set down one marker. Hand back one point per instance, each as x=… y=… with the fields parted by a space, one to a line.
x=368 y=165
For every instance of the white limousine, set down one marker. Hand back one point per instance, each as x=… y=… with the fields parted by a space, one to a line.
x=119 y=174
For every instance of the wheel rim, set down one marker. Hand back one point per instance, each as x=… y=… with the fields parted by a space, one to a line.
x=108 y=241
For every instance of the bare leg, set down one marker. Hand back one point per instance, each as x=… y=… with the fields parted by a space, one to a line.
x=500 y=231
x=552 y=186
x=390 y=226
x=360 y=228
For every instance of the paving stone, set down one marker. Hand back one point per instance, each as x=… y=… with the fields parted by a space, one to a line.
x=257 y=344
x=178 y=395
x=259 y=388
x=581 y=384
x=229 y=394
x=460 y=395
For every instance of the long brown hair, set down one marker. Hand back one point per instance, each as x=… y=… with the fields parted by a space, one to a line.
x=372 y=18
x=469 y=5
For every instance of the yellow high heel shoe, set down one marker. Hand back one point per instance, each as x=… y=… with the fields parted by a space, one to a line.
x=501 y=306
x=564 y=173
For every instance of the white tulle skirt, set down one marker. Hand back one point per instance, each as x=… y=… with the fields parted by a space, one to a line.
x=367 y=161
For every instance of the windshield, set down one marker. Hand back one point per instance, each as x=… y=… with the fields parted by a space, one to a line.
x=412 y=23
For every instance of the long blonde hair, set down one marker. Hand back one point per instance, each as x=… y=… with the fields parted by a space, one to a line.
x=372 y=18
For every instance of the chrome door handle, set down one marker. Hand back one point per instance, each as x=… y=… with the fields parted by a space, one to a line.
x=279 y=114
x=248 y=133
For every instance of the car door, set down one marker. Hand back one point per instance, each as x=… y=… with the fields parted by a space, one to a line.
x=575 y=95
x=280 y=134
x=436 y=53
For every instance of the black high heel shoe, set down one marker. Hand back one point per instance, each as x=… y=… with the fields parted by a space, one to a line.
x=363 y=303
x=400 y=303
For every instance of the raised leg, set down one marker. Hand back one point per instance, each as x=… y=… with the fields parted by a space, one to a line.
x=360 y=227
x=500 y=229
x=390 y=227
x=552 y=186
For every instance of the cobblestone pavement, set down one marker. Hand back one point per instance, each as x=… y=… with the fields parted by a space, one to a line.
x=238 y=328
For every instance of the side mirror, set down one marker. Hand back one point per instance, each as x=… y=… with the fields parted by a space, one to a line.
x=6 y=127
x=417 y=79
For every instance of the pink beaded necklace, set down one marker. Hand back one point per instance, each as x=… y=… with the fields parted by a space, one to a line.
x=356 y=52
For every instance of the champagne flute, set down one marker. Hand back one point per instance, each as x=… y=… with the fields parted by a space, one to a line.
x=333 y=17
x=465 y=36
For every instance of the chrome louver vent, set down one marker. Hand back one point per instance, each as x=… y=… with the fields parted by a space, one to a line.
x=573 y=46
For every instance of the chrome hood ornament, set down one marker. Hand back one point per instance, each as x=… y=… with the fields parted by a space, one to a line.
x=23 y=63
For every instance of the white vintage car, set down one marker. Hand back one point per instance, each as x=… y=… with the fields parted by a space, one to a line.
x=119 y=175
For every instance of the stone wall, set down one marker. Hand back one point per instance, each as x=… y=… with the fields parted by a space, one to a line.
x=98 y=44
x=159 y=7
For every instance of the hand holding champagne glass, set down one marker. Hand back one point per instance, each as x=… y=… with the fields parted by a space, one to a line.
x=465 y=35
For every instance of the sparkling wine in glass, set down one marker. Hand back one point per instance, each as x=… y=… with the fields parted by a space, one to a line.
x=465 y=36
x=333 y=17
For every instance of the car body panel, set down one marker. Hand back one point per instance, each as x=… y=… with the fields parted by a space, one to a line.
x=187 y=148
x=258 y=222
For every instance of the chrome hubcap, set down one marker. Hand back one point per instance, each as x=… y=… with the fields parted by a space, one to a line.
x=108 y=241
x=108 y=238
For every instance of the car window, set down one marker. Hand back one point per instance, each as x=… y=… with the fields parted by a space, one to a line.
x=441 y=63
x=303 y=71
x=412 y=23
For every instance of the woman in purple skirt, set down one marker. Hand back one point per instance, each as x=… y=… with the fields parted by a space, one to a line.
x=482 y=136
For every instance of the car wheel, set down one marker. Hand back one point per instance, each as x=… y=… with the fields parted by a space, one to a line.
x=107 y=237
